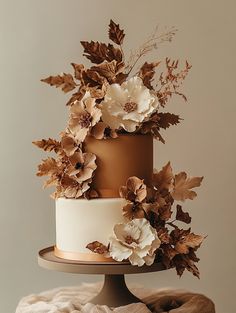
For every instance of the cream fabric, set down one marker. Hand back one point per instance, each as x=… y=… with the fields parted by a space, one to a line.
x=76 y=300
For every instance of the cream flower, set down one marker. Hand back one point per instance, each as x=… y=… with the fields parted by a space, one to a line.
x=136 y=241
x=83 y=115
x=128 y=105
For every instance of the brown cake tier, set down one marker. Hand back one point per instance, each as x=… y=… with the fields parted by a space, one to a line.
x=118 y=159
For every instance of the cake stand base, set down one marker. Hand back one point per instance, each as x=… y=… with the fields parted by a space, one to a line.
x=114 y=292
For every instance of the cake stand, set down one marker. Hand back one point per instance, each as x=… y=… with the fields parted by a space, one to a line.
x=114 y=292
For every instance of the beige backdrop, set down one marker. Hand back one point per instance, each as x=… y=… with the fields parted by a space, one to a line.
x=38 y=38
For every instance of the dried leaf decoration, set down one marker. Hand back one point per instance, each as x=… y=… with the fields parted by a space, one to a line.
x=147 y=72
x=78 y=68
x=171 y=80
x=65 y=82
x=183 y=185
x=107 y=70
x=185 y=261
x=158 y=121
x=97 y=247
x=163 y=179
x=115 y=33
x=47 y=167
x=98 y=52
x=165 y=120
x=77 y=96
x=48 y=145
x=182 y=216
x=189 y=241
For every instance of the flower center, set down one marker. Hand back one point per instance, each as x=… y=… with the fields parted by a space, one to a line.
x=78 y=166
x=130 y=107
x=130 y=239
x=107 y=132
x=84 y=119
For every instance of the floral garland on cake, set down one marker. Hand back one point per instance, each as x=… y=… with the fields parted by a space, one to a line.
x=151 y=231
x=108 y=100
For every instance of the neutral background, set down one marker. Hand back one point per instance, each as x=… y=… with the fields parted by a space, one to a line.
x=38 y=38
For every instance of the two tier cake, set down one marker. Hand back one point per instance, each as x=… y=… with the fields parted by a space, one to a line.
x=110 y=204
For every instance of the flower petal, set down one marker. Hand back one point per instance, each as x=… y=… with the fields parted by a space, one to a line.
x=89 y=160
x=149 y=259
x=84 y=175
x=77 y=157
x=116 y=93
x=117 y=251
x=77 y=108
x=136 y=260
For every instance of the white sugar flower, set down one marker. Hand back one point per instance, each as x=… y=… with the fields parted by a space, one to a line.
x=127 y=105
x=136 y=241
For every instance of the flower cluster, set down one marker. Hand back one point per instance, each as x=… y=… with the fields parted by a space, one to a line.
x=108 y=99
x=151 y=231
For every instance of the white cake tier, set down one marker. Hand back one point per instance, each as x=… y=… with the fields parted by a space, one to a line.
x=80 y=222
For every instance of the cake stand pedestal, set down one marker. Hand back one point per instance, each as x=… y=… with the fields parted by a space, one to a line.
x=114 y=292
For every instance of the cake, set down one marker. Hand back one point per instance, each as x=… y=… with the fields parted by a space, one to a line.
x=111 y=206
x=125 y=156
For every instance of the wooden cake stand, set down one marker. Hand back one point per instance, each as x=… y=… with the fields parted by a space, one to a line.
x=114 y=292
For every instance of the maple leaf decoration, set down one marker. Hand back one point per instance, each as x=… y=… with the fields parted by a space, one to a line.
x=115 y=33
x=186 y=261
x=158 y=121
x=98 y=52
x=183 y=185
x=107 y=70
x=163 y=179
x=97 y=247
x=65 y=82
x=189 y=241
x=165 y=120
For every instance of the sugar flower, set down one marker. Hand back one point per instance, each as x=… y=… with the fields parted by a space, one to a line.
x=83 y=115
x=82 y=166
x=68 y=144
x=136 y=241
x=128 y=105
x=135 y=190
x=71 y=188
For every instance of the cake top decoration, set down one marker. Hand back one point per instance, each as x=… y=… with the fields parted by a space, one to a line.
x=112 y=97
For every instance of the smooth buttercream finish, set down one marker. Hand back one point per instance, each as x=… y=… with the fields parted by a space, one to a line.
x=81 y=221
x=120 y=158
